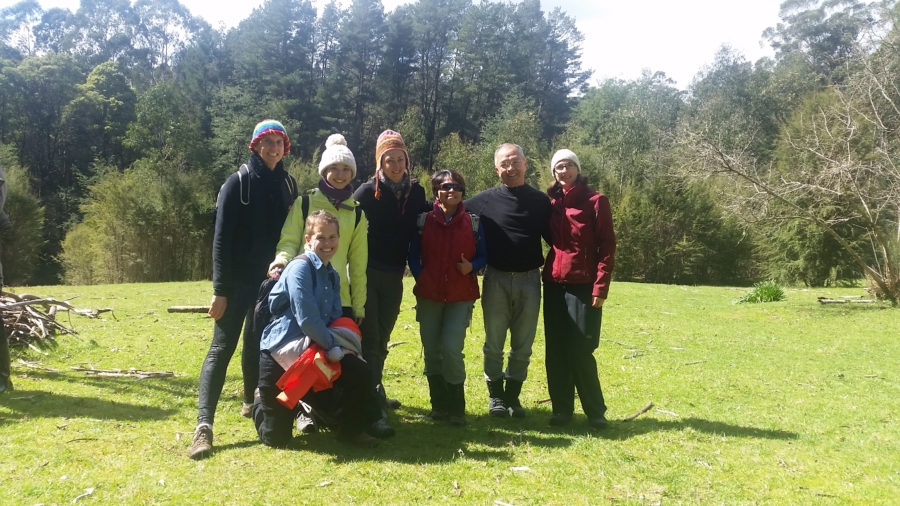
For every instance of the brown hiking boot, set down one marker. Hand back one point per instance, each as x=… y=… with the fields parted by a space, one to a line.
x=201 y=448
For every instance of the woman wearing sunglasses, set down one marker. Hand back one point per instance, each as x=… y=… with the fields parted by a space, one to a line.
x=576 y=282
x=444 y=258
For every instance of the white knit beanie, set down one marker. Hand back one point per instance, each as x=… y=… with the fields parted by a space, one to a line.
x=564 y=154
x=336 y=151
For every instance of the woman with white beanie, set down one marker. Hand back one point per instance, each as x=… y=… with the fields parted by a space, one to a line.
x=335 y=195
x=576 y=283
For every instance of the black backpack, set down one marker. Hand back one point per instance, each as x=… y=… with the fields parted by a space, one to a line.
x=288 y=192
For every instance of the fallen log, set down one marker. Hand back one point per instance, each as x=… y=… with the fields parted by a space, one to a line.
x=188 y=309
x=825 y=300
x=124 y=373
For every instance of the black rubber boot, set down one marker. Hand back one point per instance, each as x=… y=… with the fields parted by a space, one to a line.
x=496 y=406
x=513 y=389
x=5 y=371
x=437 y=388
x=456 y=403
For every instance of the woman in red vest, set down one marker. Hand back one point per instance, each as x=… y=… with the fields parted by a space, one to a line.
x=444 y=258
x=576 y=282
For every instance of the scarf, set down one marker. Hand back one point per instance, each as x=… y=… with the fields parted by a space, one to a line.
x=334 y=195
x=400 y=188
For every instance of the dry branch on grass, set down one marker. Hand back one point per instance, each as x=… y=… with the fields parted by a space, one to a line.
x=188 y=309
x=30 y=319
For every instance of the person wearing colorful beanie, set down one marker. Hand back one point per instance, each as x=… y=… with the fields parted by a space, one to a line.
x=391 y=200
x=250 y=210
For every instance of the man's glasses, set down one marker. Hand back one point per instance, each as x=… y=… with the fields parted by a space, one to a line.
x=451 y=186
x=510 y=164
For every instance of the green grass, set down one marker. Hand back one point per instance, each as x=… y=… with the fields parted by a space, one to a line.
x=781 y=403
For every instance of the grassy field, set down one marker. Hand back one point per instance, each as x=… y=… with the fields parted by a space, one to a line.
x=778 y=403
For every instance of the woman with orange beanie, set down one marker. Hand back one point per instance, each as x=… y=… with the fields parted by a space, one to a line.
x=391 y=200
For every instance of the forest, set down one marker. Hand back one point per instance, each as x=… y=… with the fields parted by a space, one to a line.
x=119 y=122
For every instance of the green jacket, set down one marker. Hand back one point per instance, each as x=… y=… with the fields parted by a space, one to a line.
x=353 y=249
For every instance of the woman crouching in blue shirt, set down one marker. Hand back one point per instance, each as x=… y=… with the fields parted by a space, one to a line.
x=304 y=301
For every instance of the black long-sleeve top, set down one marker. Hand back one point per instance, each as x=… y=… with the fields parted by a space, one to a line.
x=514 y=220
x=248 y=225
x=392 y=223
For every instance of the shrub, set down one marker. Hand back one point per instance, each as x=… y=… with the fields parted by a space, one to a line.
x=766 y=291
x=22 y=243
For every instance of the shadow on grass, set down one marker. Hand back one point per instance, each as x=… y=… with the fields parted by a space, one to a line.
x=170 y=387
x=624 y=430
x=49 y=404
x=27 y=404
x=422 y=441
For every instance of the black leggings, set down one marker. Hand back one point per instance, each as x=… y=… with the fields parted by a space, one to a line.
x=226 y=334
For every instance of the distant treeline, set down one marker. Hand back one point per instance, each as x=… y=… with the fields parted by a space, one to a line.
x=118 y=123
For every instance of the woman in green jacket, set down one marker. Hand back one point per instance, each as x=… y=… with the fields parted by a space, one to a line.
x=335 y=195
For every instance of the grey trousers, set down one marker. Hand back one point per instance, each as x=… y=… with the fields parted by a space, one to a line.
x=511 y=302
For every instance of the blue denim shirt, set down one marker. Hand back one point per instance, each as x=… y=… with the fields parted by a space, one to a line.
x=304 y=301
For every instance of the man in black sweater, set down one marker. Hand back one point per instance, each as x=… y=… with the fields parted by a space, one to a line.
x=250 y=211
x=515 y=216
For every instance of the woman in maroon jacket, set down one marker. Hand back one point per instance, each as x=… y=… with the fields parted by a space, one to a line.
x=576 y=282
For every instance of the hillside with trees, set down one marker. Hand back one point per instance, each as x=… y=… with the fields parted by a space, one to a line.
x=118 y=123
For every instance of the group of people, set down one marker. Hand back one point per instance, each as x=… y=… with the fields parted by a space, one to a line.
x=318 y=318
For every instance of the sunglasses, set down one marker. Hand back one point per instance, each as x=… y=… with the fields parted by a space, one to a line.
x=451 y=186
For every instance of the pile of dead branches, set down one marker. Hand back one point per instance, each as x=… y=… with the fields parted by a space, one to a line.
x=30 y=319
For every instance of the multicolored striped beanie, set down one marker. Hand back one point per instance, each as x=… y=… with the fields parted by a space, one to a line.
x=270 y=126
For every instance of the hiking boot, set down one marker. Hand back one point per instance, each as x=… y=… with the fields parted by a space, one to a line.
x=381 y=429
x=496 y=407
x=437 y=389
x=305 y=424
x=558 y=420
x=598 y=423
x=387 y=402
x=436 y=416
x=247 y=409
x=456 y=404
x=201 y=447
x=360 y=439
x=513 y=389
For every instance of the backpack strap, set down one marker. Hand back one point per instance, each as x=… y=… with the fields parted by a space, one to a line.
x=420 y=221
x=303 y=256
x=304 y=207
x=245 y=175
x=475 y=221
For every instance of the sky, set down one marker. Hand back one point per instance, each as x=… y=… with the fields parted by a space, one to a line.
x=621 y=37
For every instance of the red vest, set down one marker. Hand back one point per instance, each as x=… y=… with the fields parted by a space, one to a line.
x=442 y=244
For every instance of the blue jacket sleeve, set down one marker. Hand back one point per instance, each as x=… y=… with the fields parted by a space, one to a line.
x=480 y=259
x=414 y=258
x=304 y=305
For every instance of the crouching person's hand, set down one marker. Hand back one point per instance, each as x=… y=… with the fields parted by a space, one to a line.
x=335 y=354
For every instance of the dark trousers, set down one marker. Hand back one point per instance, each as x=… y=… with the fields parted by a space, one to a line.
x=384 y=292
x=572 y=333
x=352 y=401
x=226 y=334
